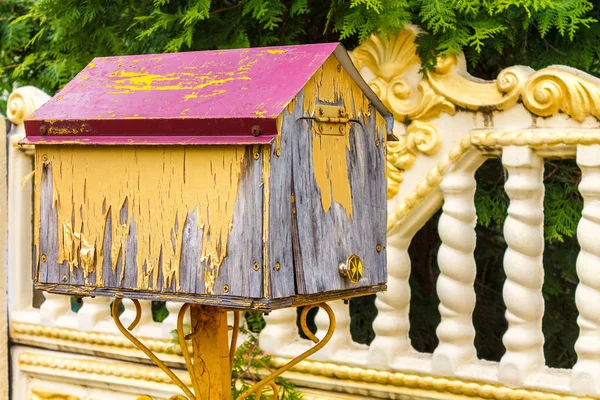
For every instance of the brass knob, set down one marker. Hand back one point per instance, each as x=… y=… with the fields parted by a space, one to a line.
x=352 y=268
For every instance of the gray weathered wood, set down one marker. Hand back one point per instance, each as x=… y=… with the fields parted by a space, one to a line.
x=130 y=273
x=328 y=238
x=282 y=282
x=46 y=224
x=245 y=243
x=231 y=302
x=191 y=249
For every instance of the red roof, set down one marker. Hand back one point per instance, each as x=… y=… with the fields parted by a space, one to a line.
x=195 y=97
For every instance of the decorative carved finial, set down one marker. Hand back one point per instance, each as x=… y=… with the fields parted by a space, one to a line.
x=23 y=101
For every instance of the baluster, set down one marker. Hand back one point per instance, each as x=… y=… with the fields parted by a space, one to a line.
x=341 y=339
x=457 y=274
x=391 y=324
x=94 y=314
x=53 y=308
x=523 y=232
x=280 y=330
x=585 y=378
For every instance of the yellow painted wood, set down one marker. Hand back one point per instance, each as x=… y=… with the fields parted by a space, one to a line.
x=210 y=343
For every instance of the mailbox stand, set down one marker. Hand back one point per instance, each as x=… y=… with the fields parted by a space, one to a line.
x=232 y=180
x=211 y=360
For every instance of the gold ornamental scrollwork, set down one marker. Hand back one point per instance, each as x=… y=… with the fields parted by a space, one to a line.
x=561 y=89
x=421 y=137
x=393 y=62
x=451 y=81
x=42 y=394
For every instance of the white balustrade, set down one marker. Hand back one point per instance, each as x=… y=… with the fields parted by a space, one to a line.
x=391 y=324
x=585 y=379
x=94 y=314
x=457 y=274
x=523 y=232
x=280 y=331
x=56 y=311
x=341 y=347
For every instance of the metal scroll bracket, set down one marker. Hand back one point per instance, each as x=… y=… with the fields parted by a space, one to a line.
x=210 y=362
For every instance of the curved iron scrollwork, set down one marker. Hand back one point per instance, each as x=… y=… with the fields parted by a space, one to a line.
x=258 y=388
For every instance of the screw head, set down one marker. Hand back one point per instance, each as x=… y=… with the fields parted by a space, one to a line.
x=377 y=142
x=256 y=155
x=342 y=128
x=43 y=129
x=44 y=158
x=277 y=266
x=378 y=247
x=64 y=278
x=255 y=266
x=321 y=111
x=43 y=258
x=256 y=131
x=225 y=288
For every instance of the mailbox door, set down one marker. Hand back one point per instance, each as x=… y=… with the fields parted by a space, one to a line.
x=339 y=205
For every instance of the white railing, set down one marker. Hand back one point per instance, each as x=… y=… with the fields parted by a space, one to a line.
x=448 y=125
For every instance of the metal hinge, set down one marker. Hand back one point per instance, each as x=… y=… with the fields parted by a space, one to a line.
x=332 y=120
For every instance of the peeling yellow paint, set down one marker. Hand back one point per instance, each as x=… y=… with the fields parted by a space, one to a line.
x=184 y=111
x=133 y=81
x=331 y=84
x=277 y=51
x=215 y=93
x=157 y=187
x=91 y=65
x=193 y=95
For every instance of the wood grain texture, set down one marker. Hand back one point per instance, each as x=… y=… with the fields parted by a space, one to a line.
x=326 y=239
x=280 y=210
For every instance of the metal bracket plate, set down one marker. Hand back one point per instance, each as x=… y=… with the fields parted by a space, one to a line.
x=332 y=120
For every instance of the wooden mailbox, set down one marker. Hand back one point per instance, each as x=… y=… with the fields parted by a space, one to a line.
x=242 y=178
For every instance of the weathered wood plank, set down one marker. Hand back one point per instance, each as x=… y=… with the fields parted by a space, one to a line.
x=280 y=230
x=191 y=248
x=328 y=238
x=226 y=301
x=46 y=223
x=245 y=244
x=129 y=275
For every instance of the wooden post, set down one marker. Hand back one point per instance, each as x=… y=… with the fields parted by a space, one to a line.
x=210 y=343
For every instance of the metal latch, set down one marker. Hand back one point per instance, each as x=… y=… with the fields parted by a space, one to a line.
x=332 y=120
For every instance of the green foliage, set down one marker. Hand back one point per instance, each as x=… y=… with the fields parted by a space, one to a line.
x=45 y=43
x=255 y=321
x=159 y=311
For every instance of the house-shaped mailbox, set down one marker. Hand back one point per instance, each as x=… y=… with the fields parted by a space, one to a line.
x=247 y=178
